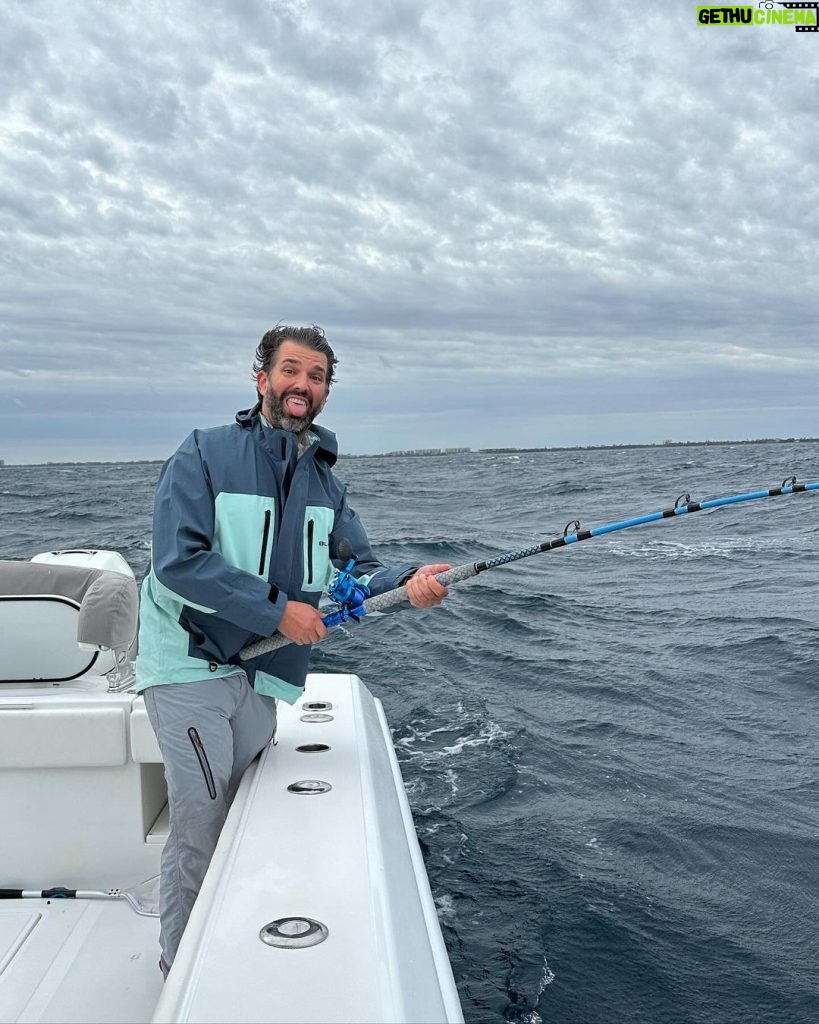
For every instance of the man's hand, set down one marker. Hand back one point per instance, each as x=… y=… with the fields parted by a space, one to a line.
x=302 y=623
x=423 y=589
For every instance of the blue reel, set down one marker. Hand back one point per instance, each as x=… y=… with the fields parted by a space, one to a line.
x=349 y=595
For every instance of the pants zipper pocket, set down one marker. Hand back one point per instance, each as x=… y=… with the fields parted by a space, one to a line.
x=265 y=539
x=310 y=529
x=204 y=764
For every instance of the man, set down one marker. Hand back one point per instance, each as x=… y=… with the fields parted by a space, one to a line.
x=249 y=526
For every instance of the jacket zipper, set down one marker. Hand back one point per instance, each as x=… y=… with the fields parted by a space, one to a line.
x=310 y=527
x=265 y=537
x=204 y=764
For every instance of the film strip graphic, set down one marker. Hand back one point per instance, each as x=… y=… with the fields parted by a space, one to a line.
x=812 y=6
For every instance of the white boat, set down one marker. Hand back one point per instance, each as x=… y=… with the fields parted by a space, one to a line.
x=316 y=905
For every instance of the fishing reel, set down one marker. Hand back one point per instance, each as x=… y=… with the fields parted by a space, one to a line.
x=349 y=594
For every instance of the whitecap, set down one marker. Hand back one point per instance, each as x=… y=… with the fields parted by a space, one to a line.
x=445 y=906
x=546 y=978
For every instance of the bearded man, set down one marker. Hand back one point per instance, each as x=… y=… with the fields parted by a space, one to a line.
x=250 y=524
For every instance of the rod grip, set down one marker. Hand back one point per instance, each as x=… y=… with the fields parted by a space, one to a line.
x=379 y=603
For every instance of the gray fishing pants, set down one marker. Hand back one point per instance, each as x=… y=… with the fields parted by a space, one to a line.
x=208 y=732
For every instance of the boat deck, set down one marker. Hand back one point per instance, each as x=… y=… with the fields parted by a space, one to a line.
x=67 y=961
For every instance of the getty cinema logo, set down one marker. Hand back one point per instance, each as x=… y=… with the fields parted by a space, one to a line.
x=803 y=16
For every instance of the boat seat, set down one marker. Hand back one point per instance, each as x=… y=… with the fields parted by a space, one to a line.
x=78 y=808
x=61 y=618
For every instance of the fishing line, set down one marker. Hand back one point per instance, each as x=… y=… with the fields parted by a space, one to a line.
x=354 y=602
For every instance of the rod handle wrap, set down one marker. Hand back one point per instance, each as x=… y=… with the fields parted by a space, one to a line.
x=372 y=604
x=391 y=598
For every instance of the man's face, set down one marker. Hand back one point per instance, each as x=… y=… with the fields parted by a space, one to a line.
x=295 y=390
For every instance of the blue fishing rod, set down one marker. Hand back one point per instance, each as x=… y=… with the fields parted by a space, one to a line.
x=353 y=598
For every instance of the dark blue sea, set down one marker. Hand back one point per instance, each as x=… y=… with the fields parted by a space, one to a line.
x=611 y=750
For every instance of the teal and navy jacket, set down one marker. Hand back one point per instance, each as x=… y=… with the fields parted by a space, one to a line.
x=241 y=524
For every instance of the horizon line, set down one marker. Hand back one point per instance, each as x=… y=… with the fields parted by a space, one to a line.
x=437 y=453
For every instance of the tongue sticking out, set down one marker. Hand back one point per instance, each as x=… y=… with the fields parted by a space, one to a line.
x=295 y=406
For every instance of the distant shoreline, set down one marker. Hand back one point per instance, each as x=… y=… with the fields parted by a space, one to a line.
x=419 y=453
x=437 y=453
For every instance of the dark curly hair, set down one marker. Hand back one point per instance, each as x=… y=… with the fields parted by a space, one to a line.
x=311 y=337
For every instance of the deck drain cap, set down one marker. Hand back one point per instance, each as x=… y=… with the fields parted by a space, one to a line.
x=294 y=932
x=309 y=787
x=317 y=705
x=312 y=748
x=316 y=716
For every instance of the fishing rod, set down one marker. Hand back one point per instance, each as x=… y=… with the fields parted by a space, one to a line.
x=353 y=598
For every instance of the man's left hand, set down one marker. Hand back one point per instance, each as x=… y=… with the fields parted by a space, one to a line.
x=423 y=590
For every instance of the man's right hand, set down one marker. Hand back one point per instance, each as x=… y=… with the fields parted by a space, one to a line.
x=302 y=623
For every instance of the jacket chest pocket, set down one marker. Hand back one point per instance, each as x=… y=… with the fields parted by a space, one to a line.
x=244 y=531
x=318 y=569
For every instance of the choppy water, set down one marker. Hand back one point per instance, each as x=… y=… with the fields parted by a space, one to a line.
x=611 y=750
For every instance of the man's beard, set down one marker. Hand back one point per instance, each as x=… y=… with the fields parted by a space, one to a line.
x=277 y=415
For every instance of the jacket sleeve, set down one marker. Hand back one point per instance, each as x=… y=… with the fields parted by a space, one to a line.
x=348 y=527
x=183 y=557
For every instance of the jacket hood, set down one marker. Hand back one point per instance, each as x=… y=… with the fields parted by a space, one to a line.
x=327 y=443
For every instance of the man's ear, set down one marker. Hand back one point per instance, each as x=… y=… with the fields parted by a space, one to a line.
x=261 y=382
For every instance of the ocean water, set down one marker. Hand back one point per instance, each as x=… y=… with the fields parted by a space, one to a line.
x=611 y=750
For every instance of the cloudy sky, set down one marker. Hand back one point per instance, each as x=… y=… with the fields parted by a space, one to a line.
x=520 y=223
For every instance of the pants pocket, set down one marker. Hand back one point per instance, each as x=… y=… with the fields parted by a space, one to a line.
x=202 y=757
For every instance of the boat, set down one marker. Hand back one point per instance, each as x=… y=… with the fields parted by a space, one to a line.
x=316 y=905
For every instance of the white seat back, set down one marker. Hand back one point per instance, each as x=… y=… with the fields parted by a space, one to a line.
x=65 y=614
x=40 y=640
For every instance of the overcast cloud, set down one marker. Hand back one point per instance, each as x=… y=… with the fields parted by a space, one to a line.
x=520 y=223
